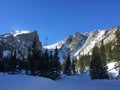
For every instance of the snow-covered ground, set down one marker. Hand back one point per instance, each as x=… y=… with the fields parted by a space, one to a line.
x=76 y=82
x=113 y=73
x=53 y=46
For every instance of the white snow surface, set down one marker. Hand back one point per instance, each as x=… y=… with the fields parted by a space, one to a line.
x=93 y=38
x=75 y=82
x=6 y=53
x=53 y=46
x=113 y=73
x=17 y=32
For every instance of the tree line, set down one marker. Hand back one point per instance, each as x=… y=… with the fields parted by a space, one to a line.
x=101 y=56
x=47 y=63
x=38 y=63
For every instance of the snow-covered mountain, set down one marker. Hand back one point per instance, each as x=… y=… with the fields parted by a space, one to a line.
x=96 y=37
x=77 y=44
x=71 y=44
x=18 y=40
x=83 y=43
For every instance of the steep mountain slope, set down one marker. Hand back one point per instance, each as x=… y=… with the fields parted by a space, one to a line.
x=83 y=43
x=96 y=37
x=18 y=40
x=69 y=45
x=77 y=44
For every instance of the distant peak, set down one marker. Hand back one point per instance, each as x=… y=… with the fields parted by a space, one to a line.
x=77 y=34
x=17 y=32
x=86 y=34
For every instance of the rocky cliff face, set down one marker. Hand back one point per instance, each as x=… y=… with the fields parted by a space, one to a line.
x=74 y=42
x=96 y=37
x=77 y=44
x=70 y=45
x=83 y=43
x=18 y=40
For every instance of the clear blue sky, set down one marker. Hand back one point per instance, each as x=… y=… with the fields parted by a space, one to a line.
x=58 y=18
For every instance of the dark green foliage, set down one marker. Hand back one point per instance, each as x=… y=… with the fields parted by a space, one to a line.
x=1 y=62
x=56 y=64
x=109 y=52
x=67 y=69
x=55 y=67
x=74 y=63
x=98 y=69
x=40 y=61
x=83 y=63
x=33 y=58
x=103 y=62
x=117 y=44
x=2 y=66
x=45 y=64
x=13 y=63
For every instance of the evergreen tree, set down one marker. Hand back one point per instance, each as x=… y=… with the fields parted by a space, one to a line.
x=45 y=64
x=40 y=62
x=74 y=62
x=81 y=64
x=118 y=50
x=109 y=51
x=103 y=60
x=95 y=64
x=13 y=63
x=32 y=58
x=56 y=67
x=67 y=69
x=97 y=70
x=2 y=66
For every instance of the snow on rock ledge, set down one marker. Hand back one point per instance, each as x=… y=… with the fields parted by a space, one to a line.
x=17 y=32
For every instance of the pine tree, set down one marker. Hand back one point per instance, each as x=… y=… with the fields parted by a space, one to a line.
x=13 y=63
x=81 y=64
x=109 y=51
x=95 y=64
x=118 y=50
x=74 y=62
x=40 y=62
x=97 y=70
x=45 y=64
x=2 y=66
x=50 y=63
x=67 y=69
x=56 y=65
x=32 y=58
x=103 y=60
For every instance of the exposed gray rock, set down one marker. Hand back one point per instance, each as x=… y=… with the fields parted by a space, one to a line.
x=21 y=42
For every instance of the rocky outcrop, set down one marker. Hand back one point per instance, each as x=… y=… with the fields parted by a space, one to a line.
x=83 y=43
x=96 y=37
x=18 y=41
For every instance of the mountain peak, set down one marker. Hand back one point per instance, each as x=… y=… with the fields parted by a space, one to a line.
x=18 y=32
